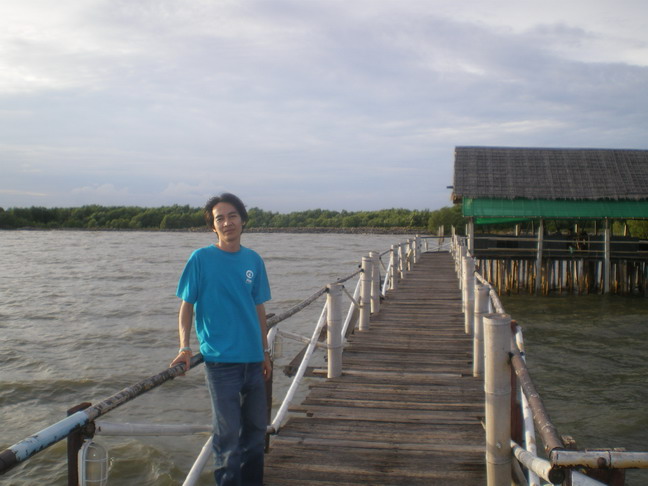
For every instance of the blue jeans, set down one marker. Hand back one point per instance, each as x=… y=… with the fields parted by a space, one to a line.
x=239 y=419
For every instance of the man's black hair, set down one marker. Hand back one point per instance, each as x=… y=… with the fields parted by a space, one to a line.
x=228 y=198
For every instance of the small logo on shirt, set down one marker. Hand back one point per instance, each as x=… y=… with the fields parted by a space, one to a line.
x=249 y=275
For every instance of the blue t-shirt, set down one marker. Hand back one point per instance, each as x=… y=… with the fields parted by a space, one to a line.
x=225 y=289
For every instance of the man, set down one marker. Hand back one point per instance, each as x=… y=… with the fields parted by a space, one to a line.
x=226 y=285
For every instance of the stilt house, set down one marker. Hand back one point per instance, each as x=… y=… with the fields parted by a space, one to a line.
x=496 y=184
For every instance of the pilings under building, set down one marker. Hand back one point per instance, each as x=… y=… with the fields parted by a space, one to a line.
x=586 y=188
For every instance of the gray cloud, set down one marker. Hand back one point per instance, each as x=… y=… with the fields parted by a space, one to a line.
x=299 y=104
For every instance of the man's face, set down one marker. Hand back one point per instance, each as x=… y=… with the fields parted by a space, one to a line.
x=227 y=222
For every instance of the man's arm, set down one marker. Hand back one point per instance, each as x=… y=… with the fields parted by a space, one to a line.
x=267 y=364
x=185 y=322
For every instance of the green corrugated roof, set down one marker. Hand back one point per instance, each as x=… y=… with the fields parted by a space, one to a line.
x=559 y=209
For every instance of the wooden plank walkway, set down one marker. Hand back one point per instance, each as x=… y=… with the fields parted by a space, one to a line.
x=406 y=410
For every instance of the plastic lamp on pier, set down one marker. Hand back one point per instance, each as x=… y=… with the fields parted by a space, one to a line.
x=93 y=464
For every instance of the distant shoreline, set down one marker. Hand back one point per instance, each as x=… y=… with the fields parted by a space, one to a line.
x=299 y=230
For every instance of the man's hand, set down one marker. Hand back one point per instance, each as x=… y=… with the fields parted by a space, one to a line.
x=267 y=367
x=183 y=357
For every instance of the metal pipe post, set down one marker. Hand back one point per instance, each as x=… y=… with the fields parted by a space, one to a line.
x=334 y=330
x=365 y=293
x=497 y=388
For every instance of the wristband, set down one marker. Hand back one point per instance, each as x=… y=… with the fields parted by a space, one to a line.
x=182 y=350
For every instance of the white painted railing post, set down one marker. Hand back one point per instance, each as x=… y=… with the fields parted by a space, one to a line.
x=481 y=308
x=497 y=388
x=375 y=282
x=394 y=268
x=468 y=286
x=417 y=248
x=365 y=293
x=334 y=330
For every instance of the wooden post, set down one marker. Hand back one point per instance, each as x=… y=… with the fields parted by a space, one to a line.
x=74 y=442
x=375 y=282
x=481 y=308
x=365 y=293
x=394 y=268
x=334 y=330
x=462 y=258
x=538 y=268
x=607 y=270
x=468 y=277
x=497 y=388
x=402 y=256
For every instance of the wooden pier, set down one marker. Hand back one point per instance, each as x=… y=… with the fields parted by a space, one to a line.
x=406 y=410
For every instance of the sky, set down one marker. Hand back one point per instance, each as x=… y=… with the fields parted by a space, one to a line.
x=303 y=104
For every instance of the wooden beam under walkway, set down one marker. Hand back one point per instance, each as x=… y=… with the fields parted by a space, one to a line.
x=406 y=410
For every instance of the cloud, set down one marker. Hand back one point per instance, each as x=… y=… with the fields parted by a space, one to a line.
x=106 y=194
x=14 y=192
x=290 y=102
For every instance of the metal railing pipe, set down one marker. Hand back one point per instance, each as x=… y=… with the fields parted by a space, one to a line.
x=540 y=467
x=199 y=464
x=334 y=330
x=602 y=459
x=527 y=415
x=145 y=430
x=23 y=450
x=388 y=276
x=283 y=409
x=355 y=304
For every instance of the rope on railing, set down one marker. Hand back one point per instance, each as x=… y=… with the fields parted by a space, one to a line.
x=276 y=319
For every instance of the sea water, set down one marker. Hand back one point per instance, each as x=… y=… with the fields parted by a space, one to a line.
x=85 y=314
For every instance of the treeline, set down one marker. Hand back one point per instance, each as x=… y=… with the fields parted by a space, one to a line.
x=185 y=217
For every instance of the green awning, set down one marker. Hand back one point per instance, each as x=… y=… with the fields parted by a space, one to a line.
x=516 y=209
x=508 y=221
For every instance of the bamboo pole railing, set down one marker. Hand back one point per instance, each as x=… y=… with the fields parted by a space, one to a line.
x=561 y=463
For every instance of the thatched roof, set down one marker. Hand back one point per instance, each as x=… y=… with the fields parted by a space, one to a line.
x=546 y=173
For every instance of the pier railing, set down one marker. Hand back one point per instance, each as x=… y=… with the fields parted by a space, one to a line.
x=514 y=409
x=88 y=461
